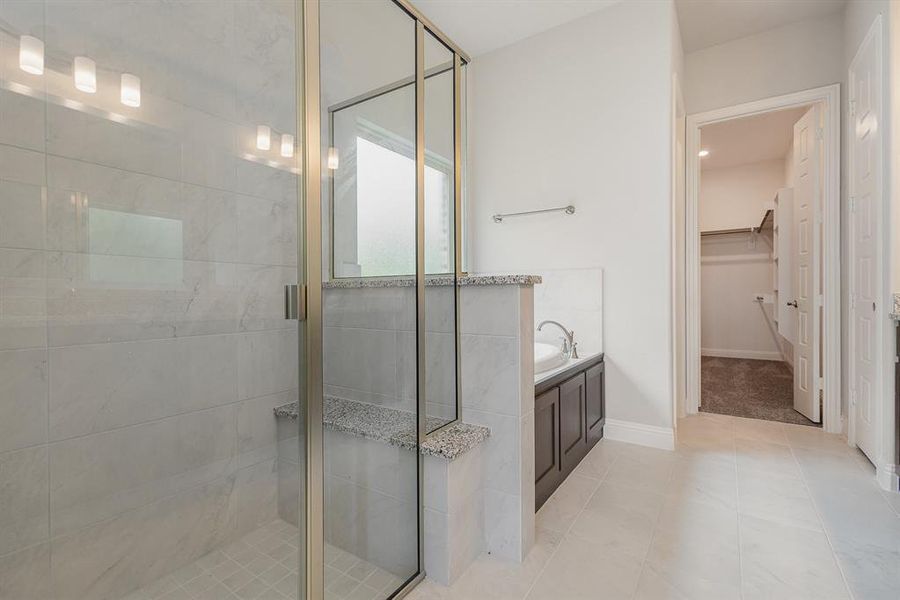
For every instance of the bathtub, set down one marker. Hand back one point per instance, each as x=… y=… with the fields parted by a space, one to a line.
x=550 y=360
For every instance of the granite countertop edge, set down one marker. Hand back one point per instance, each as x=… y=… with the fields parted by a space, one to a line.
x=394 y=427
x=438 y=280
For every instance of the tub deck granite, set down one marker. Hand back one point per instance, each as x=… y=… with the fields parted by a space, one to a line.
x=392 y=426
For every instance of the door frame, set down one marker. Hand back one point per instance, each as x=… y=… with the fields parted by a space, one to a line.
x=828 y=97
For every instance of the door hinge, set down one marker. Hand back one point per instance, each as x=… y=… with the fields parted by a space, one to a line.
x=852 y=203
x=852 y=108
x=295 y=302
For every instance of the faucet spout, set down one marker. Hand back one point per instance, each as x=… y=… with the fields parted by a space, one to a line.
x=569 y=345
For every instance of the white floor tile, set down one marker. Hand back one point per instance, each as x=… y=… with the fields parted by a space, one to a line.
x=560 y=511
x=619 y=519
x=778 y=561
x=581 y=569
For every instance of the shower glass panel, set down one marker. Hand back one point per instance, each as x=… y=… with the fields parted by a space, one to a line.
x=440 y=240
x=148 y=225
x=371 y=464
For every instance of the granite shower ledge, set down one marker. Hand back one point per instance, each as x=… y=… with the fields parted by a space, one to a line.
x=437 y=280
x=395 y=427
x=895 y=314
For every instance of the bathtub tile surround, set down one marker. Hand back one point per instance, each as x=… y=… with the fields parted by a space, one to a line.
x=574 y=297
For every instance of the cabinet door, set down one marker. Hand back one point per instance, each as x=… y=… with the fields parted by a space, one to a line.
x=573 y=430
x=594 y=404
x=547 y=474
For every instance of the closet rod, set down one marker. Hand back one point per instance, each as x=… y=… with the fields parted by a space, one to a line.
x=727 y=231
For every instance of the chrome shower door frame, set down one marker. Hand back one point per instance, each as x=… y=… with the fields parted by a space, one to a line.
x=310 y=276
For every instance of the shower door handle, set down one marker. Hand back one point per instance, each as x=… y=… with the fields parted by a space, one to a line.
x=794 y=304
x=295 y=302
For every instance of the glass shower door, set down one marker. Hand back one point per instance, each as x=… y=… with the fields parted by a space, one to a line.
x=149 y=181
x=371 y=463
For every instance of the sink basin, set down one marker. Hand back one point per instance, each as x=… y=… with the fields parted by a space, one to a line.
x=546 y=357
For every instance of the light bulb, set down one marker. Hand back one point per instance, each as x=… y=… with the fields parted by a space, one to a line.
x=703 y=153
x=85 y=74
x=263 y=137
x=333 y=158
x=31 y=55
x=131 y=90
x=287 y=145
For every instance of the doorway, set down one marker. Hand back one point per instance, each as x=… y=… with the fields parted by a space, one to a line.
x=762 y=260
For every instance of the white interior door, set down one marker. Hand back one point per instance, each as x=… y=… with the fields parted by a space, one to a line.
x=805 y=241
x=787 y=316
x=865 y=196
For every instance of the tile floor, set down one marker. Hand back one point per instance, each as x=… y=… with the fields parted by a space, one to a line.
x=743 y=509
x=263 y=565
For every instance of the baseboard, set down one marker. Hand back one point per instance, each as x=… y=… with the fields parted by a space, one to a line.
x=640 y=434
x=887 y=477
x=748 y=354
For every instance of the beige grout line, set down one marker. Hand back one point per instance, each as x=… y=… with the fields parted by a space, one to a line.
x=815 y=506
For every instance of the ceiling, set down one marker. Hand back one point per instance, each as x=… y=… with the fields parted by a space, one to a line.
x=707 y=23
x=749 y=140
x=479 y=26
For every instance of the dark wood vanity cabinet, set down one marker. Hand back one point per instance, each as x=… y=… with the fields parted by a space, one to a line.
x=569 y=412
x=595 y=406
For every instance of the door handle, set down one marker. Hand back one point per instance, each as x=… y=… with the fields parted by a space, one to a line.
x=794 y=304
x=295 y=302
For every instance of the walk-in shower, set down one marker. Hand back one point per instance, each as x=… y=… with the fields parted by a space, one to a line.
x=167 y=168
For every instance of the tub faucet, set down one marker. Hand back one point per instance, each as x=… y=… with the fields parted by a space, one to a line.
x=570 y=346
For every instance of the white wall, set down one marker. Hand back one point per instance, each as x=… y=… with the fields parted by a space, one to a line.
x=582 y=114
x=679 y=338
x=734 y=269
x=787 y=59
x=732 y=323
x=738 y=196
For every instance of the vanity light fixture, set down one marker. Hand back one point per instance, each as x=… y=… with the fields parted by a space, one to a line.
x=31 y=55
x=333 y=159
x=287 y=145
x=130 y=93
x=703 y=153
x=263 y=137
x=85 y=74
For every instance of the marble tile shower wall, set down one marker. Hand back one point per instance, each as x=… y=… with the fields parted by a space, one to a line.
x=142 y=257
x=370 y=347
x=370 y=356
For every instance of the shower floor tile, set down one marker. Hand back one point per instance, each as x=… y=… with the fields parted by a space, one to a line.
x=263 y=566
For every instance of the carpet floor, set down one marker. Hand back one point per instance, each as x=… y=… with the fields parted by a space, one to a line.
x=757 y=389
